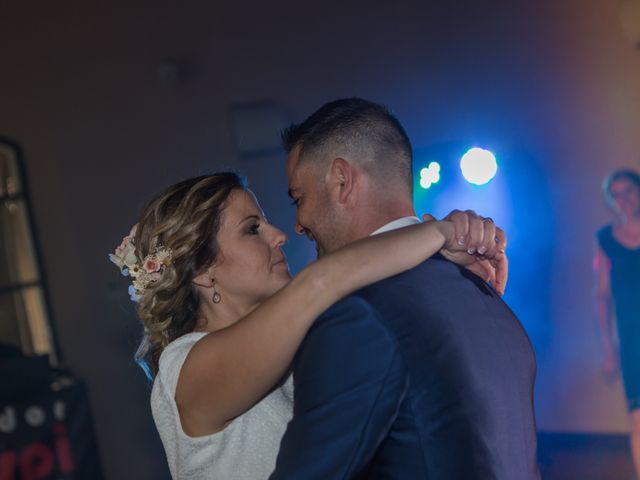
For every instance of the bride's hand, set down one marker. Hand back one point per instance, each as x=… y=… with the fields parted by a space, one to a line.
x=477 y=244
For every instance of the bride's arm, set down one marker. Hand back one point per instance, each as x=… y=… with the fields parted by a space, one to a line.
x=229 y=370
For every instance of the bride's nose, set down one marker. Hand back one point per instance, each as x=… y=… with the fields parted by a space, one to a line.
x=279 y=237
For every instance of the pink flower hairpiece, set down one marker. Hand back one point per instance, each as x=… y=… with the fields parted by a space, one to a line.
x=143 y=273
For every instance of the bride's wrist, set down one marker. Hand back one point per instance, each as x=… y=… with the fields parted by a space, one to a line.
x=446 y=229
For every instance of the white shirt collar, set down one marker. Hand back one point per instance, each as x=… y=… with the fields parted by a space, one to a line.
x=394 y=225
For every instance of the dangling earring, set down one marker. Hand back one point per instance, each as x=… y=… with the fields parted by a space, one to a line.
x=216 y=295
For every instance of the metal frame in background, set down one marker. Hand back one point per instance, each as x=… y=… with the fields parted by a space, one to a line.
x=6 y=196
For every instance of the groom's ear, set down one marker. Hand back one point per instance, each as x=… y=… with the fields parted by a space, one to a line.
x=341 y=179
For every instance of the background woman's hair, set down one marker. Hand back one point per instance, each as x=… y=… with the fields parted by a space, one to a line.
x=624 y=173
x=186 y=218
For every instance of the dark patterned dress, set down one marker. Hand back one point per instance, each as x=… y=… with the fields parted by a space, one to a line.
x=625 y=287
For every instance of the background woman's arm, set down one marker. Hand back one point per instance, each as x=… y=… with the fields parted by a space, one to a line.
x=604 y=306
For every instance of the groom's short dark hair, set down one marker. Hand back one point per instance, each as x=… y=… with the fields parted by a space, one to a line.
x=359 y=126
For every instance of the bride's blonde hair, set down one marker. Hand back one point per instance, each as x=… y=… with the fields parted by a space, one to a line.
x=185 y=219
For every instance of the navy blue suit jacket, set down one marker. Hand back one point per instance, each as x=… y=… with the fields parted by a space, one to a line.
x=425 y=375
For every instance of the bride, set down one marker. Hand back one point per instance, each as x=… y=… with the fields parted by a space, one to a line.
x=223 y=318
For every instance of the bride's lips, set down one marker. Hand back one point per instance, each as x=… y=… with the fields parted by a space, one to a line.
x=281 y=261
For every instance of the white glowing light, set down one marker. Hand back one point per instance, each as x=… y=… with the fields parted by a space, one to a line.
x=478 y=166
x=430 y=175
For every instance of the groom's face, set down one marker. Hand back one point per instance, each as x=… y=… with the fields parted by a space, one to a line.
x=315 y=213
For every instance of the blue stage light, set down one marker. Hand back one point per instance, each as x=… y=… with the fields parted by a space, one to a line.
x=430 y=175
x=478 y=166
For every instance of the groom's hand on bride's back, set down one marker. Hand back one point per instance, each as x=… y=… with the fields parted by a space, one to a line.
x=478 y=245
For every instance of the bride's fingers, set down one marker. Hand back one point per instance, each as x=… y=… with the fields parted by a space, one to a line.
x=490 y=271
x=476 y=233
x=489 y=246
x=461 y=225
x=501 y=263
x=501 y=240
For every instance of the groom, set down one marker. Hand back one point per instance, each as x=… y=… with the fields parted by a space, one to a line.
x=425 y=375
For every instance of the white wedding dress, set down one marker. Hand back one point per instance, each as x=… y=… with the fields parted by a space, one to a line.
x=245 y=450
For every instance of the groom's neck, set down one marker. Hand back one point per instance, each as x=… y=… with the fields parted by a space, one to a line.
x=372 y=217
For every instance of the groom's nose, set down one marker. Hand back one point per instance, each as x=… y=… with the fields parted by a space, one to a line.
x=297 y=227
x=300 y=230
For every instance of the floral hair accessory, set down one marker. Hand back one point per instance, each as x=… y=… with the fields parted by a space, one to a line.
x=145 y=273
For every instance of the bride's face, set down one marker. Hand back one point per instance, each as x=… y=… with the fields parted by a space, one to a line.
x=251 y=265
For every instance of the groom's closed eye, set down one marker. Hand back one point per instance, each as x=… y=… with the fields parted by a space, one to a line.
x=295 y=195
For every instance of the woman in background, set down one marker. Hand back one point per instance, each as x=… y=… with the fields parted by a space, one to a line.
x=617 y=264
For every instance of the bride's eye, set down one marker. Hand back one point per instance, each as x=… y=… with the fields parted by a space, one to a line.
x=254 y=229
